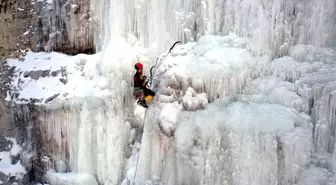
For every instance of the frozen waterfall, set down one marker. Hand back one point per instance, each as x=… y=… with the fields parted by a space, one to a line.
x=180 y=149
x=227 y=142
x=249 y=98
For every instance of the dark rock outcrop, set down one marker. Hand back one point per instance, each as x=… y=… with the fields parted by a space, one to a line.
x=63 y=26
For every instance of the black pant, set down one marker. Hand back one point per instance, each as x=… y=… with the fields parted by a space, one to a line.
x=148 y=92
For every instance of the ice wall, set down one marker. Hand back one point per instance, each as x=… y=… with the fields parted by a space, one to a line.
x=274 y=26
x=88 y=136
x=319 y=88
x=257 y=133
x=220 y=146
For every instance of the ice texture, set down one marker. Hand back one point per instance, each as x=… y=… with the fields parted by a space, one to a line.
x=70 y=179
x=218 y=66
x=274 y=26
x=260 y=122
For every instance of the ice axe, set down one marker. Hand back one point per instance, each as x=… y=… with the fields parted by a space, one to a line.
x=158 y=62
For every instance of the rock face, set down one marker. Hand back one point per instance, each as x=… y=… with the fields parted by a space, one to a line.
x=6 y=127
x=13 y=23
x=61 y=26
x=22 y=122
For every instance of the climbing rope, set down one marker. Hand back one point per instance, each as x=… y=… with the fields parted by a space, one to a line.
x=137 y=162
x=136 y=166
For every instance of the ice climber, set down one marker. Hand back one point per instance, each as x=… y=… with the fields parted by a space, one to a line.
x=141 y=92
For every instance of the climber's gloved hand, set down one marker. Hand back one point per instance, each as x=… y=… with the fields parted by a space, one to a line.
x=145 y=81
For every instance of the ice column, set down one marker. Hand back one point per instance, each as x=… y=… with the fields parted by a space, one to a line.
x=88 y=136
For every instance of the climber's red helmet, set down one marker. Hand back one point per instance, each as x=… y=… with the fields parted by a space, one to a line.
x=138 y=66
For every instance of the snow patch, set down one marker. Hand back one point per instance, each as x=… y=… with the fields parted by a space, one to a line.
x=39 y=61
x=16 y=148
x=46 y=76
x=9 y=167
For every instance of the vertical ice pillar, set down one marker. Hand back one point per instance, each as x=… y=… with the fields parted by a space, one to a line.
x=89 y=136
x=85 y=159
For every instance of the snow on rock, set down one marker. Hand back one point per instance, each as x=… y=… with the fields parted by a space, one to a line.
x=16 y=148
x=42 y=77
x=10 y=163
x=70 y=179
x=37 y=61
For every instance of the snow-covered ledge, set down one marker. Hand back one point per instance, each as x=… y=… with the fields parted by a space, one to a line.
x=41 y=77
